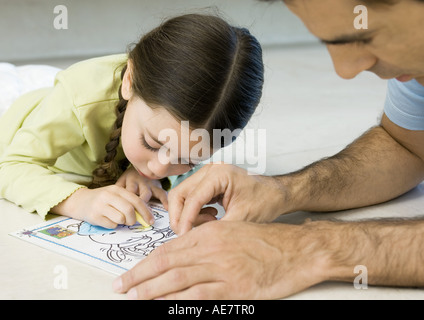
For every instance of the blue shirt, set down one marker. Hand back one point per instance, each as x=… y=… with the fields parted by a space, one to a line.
x=405 y=104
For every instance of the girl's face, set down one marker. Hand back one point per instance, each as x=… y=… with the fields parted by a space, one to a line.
x=143 y=145
x=143 y=132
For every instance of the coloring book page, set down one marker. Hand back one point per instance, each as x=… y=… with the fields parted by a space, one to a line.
x=114 y=250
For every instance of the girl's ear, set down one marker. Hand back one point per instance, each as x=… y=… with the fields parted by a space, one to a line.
x=126 y=89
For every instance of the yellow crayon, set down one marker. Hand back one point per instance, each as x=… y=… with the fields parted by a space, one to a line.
x=140 y=219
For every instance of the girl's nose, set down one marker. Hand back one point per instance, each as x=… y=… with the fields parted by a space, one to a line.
x=160 y=169
x=350 y=60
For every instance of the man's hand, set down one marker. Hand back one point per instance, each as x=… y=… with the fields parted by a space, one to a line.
x=230 y=260
x=240 y=260
x=244 y=197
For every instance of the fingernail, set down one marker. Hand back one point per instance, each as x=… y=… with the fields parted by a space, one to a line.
x=117 y=285
x=132 y=294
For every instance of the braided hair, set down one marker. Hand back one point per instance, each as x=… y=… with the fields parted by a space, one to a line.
x=109 y=170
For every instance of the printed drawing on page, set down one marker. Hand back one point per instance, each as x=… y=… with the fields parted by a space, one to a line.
x=115 y=250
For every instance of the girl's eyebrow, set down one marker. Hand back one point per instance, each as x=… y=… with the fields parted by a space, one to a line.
x=349 y=38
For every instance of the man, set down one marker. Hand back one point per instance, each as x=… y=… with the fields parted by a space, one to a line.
x=245 y=260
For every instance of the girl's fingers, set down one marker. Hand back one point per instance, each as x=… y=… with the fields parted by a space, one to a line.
x=132 y=187
x=207 y=214
x=145 y=193
x=120 y=183
x=140 y=203
x=161 y=195
x=202 y=218
x=146 y=213
x=110 y=218
x=125 y=203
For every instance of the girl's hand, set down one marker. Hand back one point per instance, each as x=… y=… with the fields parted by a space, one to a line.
x=143 y=187
x=116 y=204
x=106 y=207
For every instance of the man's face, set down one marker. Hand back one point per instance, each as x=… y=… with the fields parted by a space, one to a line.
x=391 y=47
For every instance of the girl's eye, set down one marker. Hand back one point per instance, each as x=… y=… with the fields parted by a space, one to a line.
x=146 y=145
x=149 y=147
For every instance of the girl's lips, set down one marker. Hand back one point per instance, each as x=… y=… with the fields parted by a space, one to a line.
x=143 y=175
x=140 y=173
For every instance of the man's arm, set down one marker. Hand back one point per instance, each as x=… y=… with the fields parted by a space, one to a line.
x=390 y=249
x=239 y=260
x=382 y=164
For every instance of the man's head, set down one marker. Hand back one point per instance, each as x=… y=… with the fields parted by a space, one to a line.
x=391 y=47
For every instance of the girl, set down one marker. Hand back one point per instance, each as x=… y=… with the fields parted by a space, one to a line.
x=193 y=68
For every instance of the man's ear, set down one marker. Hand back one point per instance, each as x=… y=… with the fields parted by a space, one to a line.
x=126 y=89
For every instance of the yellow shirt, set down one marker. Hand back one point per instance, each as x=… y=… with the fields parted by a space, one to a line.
x=53 y=131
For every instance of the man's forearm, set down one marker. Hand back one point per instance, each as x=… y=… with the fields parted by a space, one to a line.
x=388 y=249
x=373 y=169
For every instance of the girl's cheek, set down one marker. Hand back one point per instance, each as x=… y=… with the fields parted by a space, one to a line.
x=134 y=153
x=140 y=155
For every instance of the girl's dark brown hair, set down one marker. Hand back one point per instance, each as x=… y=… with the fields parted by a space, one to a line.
x=201 y=70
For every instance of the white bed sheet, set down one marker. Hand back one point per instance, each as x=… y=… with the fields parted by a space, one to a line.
x=17 y=80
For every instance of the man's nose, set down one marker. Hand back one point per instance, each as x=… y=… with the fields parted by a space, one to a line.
x=349 y=60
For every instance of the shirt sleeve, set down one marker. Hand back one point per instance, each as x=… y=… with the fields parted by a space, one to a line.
x=405 y=104
x=50 y=130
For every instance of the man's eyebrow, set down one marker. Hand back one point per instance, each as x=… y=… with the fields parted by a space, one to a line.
x=349 y=38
